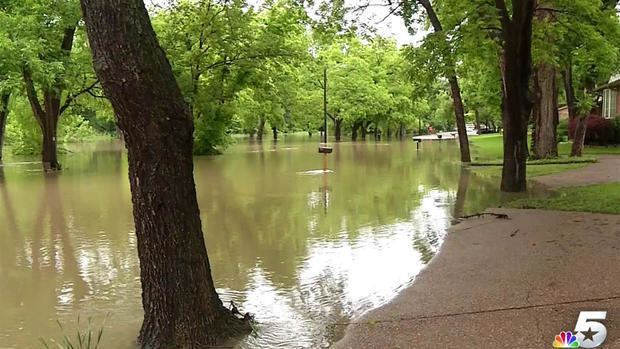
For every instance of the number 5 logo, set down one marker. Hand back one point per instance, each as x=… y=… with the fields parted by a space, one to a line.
x=591 y=334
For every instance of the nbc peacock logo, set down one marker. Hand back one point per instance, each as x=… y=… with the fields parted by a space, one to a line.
x=566 y=340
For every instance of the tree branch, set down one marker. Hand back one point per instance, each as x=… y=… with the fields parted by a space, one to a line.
x=32 y=96
x=72 y=97
x=503 y=14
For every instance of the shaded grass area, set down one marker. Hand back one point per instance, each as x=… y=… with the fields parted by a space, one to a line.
x=532 y=171
x=490 y=148
x=599 y=198
x=562 y=160
x=487 y=151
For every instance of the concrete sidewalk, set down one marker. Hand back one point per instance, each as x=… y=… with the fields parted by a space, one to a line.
x=505 y=283
x=606 y=170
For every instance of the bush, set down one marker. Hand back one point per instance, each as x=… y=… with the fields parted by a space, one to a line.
x=599 y=131
x=616 y=125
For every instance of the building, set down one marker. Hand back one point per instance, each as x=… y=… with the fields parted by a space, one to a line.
x=611 y=97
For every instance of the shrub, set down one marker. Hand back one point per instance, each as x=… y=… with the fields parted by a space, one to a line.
x=616 y=125
x=599 y=130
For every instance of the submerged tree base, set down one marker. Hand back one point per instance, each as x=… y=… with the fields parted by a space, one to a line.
x=226 y=329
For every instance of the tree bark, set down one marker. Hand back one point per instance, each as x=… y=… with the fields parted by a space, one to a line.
x=181 y=306
x=516 y=104
x=573 y=115
x=4 y=114
x=338 y=129
x=580 y=136
x=260 y=132
x=364 y=130
x=545 y=113
x=477 y=116
x=356 y=126
x=569 y=89
x=275 y=133
x=455 y=89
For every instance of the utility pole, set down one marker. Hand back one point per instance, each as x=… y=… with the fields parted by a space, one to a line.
x=325 y=105
x=323 y=148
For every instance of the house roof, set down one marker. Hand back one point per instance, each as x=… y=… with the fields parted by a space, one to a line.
x=614 y=82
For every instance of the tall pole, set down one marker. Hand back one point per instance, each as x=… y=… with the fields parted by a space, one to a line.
x=325 y=105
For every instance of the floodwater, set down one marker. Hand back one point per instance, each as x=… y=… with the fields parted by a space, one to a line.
x=302 y=248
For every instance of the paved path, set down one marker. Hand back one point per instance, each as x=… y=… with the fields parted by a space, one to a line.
x=607 y=170
x=505 y=284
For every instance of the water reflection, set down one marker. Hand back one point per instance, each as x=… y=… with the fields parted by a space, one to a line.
x=300 y=251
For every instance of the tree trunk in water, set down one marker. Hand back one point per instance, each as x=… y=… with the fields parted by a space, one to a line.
x=4 y=114
x=338 y=129
x=580 y=136
x=516 y=73
x=181 y=306
x=49 y=130
x=354 y=131
x=49 y=113
x=455 y=89
x=459 y=112
x=47 y=116
x=261 y=129
x=275 y=133
x=364 y=130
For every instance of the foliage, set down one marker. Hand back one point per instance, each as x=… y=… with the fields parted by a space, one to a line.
x=599 y=130
x=88 y=338
x=490 y=148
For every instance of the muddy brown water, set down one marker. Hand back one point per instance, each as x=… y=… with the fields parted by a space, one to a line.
x=299 y=247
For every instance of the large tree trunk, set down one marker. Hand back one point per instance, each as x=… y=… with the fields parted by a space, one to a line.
x=338 y=129
x=580 y=136
x=455 y=89
x=4 y=114
x=545 y=113
x=275 y=133
x=181 y=306
x=516 y=72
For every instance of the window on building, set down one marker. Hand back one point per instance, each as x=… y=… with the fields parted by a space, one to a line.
x=609 y=103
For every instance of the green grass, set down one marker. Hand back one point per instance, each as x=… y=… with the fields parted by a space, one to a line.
x=600 y=198
x=532 y=171
x=489 y=148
